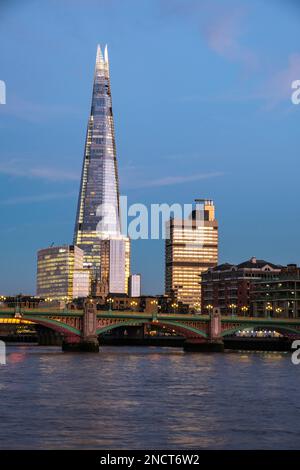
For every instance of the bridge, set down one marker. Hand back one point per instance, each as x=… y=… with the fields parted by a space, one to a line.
x=81 y=329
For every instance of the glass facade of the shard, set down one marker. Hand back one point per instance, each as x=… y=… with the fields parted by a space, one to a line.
x=98 y=203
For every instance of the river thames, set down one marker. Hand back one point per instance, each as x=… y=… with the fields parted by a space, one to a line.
x=148 y=398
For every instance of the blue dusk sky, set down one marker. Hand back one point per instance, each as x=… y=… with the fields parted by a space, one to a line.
x=202 y=106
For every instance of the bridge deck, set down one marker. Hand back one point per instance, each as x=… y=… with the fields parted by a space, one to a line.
x=55 y=313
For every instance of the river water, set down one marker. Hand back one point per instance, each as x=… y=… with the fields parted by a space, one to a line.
x=148 y=398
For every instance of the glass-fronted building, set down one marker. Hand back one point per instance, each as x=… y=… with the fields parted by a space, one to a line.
x=115 y=264
x=190 y=249
x=134 y=285
x=98 y=204
x=81 y=283
x=56 y=266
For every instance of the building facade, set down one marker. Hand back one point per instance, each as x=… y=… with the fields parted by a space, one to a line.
x=229 y=286
x=81 y=283
x=134 y=285
x=278 y=297
x=98 y=203
x=190 y=249
x=115 y=264
x=56 y=266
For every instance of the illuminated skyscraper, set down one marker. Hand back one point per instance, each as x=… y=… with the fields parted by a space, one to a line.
x=191 y=248
x=134 y=285
x=98 y=203
x=59 y=269
x=115 y=264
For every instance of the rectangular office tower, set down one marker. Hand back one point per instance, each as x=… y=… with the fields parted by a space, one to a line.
x=190 y=249
x=98 y=214
x=134 y=285
x=60 y=274
x=115 y=265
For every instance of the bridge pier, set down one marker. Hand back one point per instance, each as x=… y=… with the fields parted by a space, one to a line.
x=47 y=337
x=214 y=342
x=88 y=342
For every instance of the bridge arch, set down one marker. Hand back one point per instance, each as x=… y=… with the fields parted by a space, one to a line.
x=55 y=325
x=278 y=328
x=183 y=329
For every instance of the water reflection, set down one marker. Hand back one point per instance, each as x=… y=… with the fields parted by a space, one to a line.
x=148 y=398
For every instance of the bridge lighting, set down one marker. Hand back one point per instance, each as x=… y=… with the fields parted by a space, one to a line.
x=110 y=301
x=233 y=307
x=133 y=304
x=269 y=308
x=209 y=307
x=245 y=309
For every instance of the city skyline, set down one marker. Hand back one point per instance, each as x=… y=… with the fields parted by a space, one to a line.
x=250 y=108
x=150 y=263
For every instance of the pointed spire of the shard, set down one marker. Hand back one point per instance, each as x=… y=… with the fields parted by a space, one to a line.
x=99 y=59
x=106 y=54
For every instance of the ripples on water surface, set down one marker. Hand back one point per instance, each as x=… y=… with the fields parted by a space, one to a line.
x=151 y=398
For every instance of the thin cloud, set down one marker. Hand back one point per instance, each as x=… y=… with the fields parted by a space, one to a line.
x=35 y=112
x=132 y=178
x=36 y=198
x=223 y=36
x=173 y=180
x=17 y=168
x=222 y=26
x=278 y=87
x=274 y=88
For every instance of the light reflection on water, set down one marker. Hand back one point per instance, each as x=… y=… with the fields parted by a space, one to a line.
x=152 y=398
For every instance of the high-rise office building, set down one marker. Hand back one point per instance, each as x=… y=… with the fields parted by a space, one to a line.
x=98 y=204
x=190 y=249
x=115 y=264
x=58 y=268
x=134 y=285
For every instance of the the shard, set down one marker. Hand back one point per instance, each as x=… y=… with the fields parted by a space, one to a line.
x=98 y=210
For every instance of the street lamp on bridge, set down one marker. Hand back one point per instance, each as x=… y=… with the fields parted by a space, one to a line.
x=209 y=308
x=110 y=301
x=278 y=310
x=233 y=308
x=174 y=306
x=154 y=304
x=269 y=308
x=245 y=309
x=197 y=307
x=133 y=305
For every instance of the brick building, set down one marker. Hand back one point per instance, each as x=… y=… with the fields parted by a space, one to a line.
x=228 y=286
